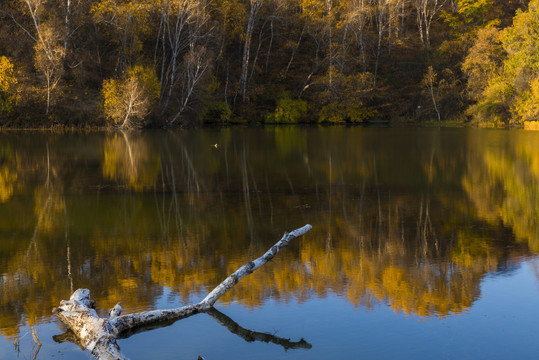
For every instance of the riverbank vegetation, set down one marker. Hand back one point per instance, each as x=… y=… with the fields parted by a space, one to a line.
x=143 y=63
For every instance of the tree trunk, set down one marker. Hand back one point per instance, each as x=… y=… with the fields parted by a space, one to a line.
x=67 y=29
x=48 y=94
x=295 y=50
x=99 y=335
x=434 y=101
x=253 y=15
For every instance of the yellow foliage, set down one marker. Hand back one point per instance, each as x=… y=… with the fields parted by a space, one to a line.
x=483 y=60
x=7 y=75
x=531 y=125
x=504 y=186
x=147 y=78
x=8 y=81
x=127 y=101
x=233 y=16
x=111 y=92
x=48 y=54
x=527 y=106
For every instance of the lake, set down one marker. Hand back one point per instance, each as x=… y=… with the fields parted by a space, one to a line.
x=424 y=244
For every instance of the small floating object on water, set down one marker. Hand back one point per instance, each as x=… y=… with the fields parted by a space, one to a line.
x=215 y=145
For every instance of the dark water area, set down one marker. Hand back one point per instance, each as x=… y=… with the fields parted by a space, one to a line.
x=424 y=241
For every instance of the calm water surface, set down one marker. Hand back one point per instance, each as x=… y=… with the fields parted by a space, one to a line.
x=424 y=242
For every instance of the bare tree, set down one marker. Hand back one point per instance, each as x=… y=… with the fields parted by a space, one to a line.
x=195 y=66
x=254 y=8
x=383 y=13
x=429 y=81
x=174 y=39
x=180 y=53
x=49 y=54
x=295 y=49
x=136 y=104
x=329 y=8
x=358 y=14
x=48 y=59
x=316 y=26
x=426 y=10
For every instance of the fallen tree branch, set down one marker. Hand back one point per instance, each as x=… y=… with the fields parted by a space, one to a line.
x=221 y=319
x=99 y=335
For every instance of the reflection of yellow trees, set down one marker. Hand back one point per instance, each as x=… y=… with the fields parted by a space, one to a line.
x=289 y=139
x=30 y=284
x=475 y=251
x=49 y=207
x=367 y=265
x=366 y=272
x=395 y=274
x=8 y=169
x=427 y=291
x=8 y=180
x=128 y=159
x=368 y=245
x=503 y=183
x=367 y=262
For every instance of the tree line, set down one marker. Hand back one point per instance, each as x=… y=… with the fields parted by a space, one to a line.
x=146 y=63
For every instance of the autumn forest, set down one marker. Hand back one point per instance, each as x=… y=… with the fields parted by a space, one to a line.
x=144 y=63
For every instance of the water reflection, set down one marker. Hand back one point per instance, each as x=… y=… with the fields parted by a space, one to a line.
x=503 y=184
x=129 y=161
x=413 y=219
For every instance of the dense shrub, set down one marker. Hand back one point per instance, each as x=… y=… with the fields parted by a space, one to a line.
x=288 y=111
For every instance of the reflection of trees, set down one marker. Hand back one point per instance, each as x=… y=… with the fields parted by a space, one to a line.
x=30 y=284
x=194 y=213
x=8 y=180
x=367 y=267
x=128 y=160
x=503 y=184
x=8 y=172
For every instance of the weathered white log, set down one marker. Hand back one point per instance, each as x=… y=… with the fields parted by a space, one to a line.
x=123 y=323
x=251 y=266
x=98 y=335
x=93 y=333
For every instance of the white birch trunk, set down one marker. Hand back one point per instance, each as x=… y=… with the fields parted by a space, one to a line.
x=67 y=29
x=98 y=335
x=253 y=14
x=295 y=50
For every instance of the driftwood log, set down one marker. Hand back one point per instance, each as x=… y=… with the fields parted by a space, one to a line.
x=98 y=335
